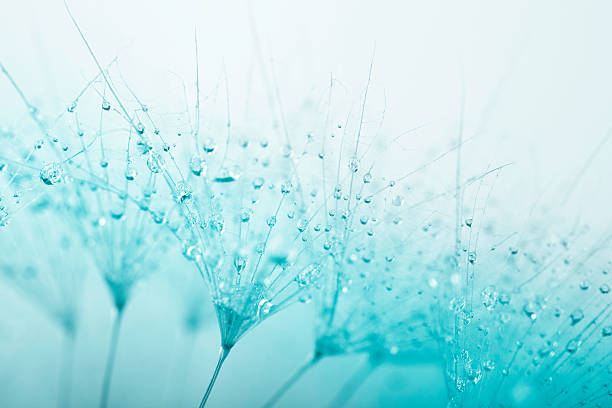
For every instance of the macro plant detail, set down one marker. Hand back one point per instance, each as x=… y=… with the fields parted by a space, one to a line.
x=262 y=204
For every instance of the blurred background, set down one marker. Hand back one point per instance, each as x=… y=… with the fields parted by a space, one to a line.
x=528 y=80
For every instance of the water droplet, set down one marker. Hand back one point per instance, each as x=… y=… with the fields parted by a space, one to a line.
x=130 y=173
x=469 y=222
x=117 y=211
x=530 y=310
x=264 y=307
x=245 y=215
x=4 y=217
x=576 y=316
x=72 y=106
x=585 y=284
x=472 y=257
x=489 y=365
x=572 y=346
x=209 y=145
x=105 y=105
x=398 y=201
x=354 y=164
x=604 y=288
x=286 y=187
x=489 y=297
x=197 y=165
x=240 y=262
x=606 y=331
x=51 y=173
x=182 y=192
x=271 y=221
x=308 y=276
x=103 y=163
x=286 y=151
x=338 y=192
x=155 y=163
x=228 y=175
x=302 y=225
x=143 y=146
x=192 y=252
x=258 y=182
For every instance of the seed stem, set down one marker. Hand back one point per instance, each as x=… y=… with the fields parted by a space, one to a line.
x=110 y=360
x=352 y=385
x=65 y=383
x=223 y=353
x=291 y=380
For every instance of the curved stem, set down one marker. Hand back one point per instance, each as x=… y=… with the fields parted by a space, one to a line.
x=291 y=380
x=352 y=384
x=110 y=359
x=65 y=383
x=176 y=377
x=223 y=353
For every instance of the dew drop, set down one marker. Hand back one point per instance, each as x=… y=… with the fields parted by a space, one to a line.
x=354 y=164
x=209 y=145
x=286 y=187
x=258 y=182
x=155 y=163
x=245 y=215
x=51 y=173
x=271 y=221
x=576 y=316
x=197 y=165
x=489 y=297
x=530 y=310
x=130 y=173
x=572 y=346
x=182 y=192
x=4 y=217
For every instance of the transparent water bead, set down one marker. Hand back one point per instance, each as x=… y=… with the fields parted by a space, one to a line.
x=530 y=310
x=258 y=182
x=576 y=316
x=182 y=192
x=354 y=164
x=197 y=165
x=606 y=331
x=240 y=262
x=130 y=173
x=228 y=175
x=209 y=145
x=489 y=297
x=308 y=275
x=156 y=163
x=4 y=216
x=51 y=173
x=572 y=346
x=286 y=187
x=192 y=252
